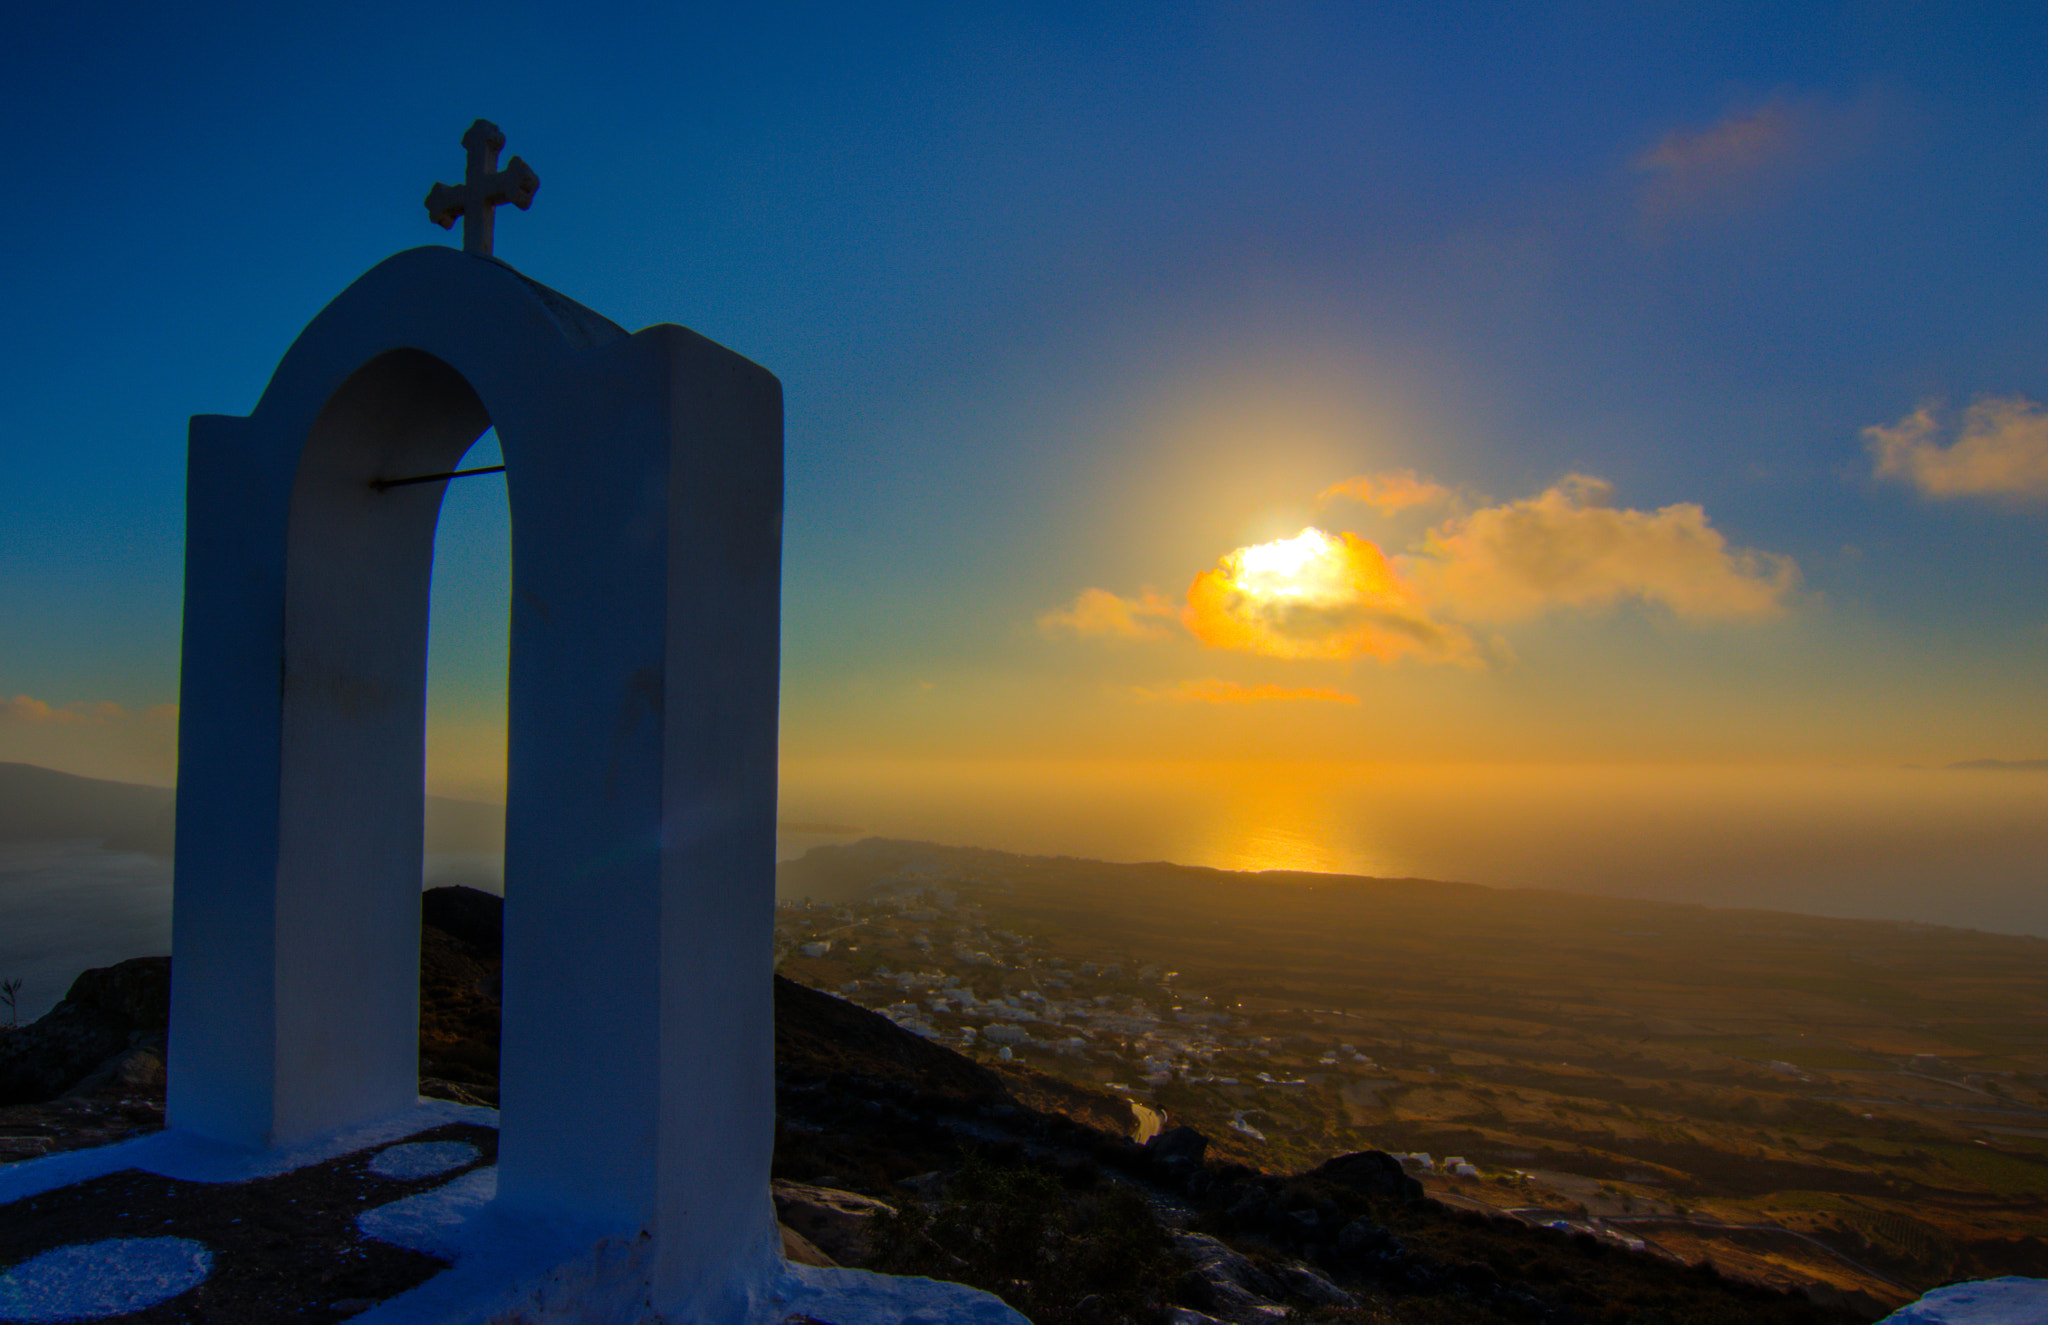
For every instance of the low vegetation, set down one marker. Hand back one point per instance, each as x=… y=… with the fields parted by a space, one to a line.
x=1059 y=1255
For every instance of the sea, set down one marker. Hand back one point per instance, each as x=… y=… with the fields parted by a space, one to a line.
x=1957 y=847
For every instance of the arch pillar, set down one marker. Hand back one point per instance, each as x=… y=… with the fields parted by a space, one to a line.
x=644 y=477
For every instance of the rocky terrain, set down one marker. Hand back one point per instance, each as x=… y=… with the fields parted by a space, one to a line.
x=91 y=1070
x=992 y=1180
x=898 y=1154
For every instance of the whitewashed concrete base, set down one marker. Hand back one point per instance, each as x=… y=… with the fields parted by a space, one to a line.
x=510 y=1268
x=2008 y=1301
x=609 y=1280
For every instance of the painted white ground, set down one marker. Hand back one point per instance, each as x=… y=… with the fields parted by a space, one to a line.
x=2007 y=1301
x=178 y=1154
x=422 y=1159
x=93 y=1280
x=433 y=1221
x=605 y=1278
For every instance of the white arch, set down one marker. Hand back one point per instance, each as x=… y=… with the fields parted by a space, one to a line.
x=644 y=476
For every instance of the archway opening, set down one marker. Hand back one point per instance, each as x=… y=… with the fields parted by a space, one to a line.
x=342 y=989
x=463 y=847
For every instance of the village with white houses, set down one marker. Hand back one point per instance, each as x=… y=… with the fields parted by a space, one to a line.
x=935 y=965
x=931 y=965
x=930 y=957
x=1586 y=1064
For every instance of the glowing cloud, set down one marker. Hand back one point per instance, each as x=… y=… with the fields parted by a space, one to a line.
x=1102 y=614
x=1727 y=168
x=1213 y=690
x=27 y=709
x=1565 y=548
x=1756 y=155
x=1314 y=596
x=1390 y=492
x=2000 y=449
x=1737 y=144
x=1337 y=597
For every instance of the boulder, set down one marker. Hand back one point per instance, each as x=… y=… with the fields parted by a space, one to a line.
x=1370 y=1173
x=110 y=1011
x=136 y=1070
x=798 y=1250
x=1252 y=1209
x=1231 y=1281
x=470 y=914
x=1181 y=1144
x=1307 y=1286
x=833 y=1222
x=1360 y=1237
x=137 y=990
x=43 y=1060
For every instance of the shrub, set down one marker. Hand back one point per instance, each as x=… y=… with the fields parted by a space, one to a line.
x=1059 y=1257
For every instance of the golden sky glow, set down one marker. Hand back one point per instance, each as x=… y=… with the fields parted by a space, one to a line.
x=1684 y=406
x=1215 y=690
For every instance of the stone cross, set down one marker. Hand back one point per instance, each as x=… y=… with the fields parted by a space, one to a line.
x=483 y=189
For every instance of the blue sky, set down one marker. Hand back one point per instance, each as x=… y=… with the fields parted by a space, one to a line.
x=1084 y=298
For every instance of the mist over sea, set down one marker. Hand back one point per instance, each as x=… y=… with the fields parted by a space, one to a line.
x=1951 y=847
x=1961 y=847
x=66 y=907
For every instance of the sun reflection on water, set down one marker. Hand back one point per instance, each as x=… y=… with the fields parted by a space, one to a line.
x=1284 y=826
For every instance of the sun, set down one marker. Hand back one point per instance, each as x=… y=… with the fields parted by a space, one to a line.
x=1310 y=566
x=1316 y=595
